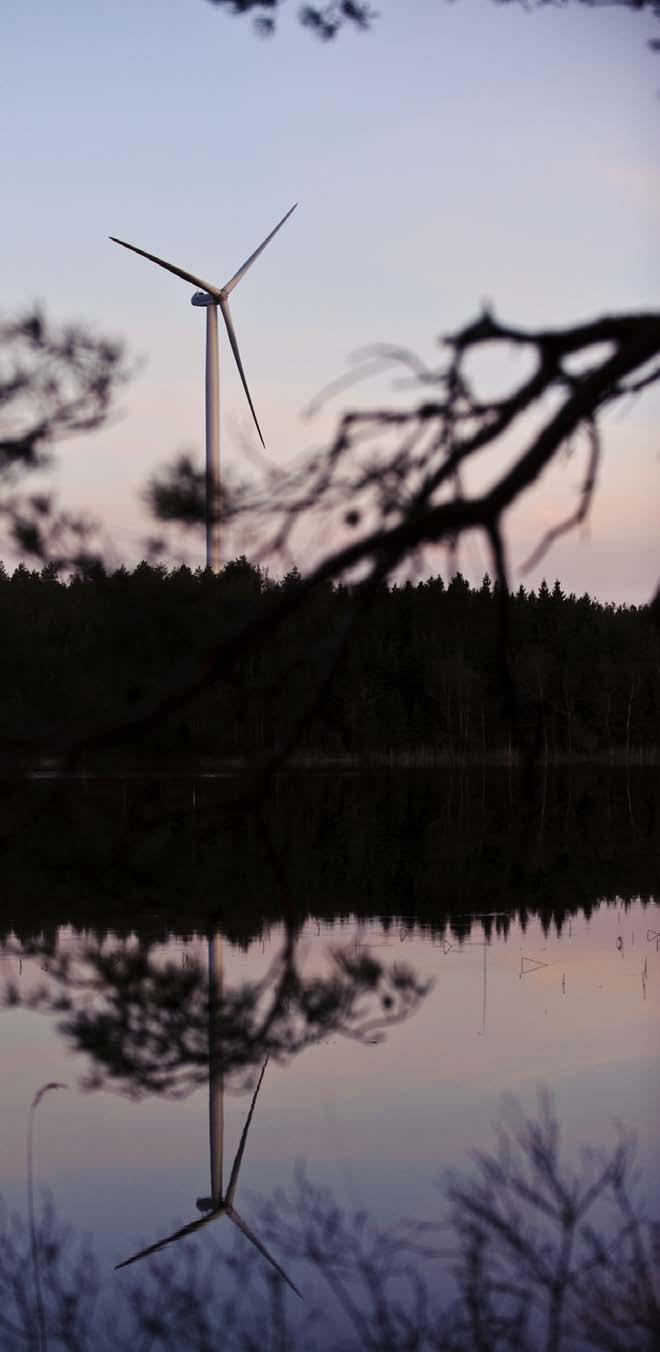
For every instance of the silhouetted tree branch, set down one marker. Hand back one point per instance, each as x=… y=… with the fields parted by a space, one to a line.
x=391 y=477
x=391 y=482
x=53 y=384
x=327 y=20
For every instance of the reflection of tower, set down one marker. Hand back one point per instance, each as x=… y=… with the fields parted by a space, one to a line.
x=483 y=1011
x=216 y=1075
x=220 y=1203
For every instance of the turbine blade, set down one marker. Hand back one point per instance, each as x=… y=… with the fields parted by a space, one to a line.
x=249 y=1234
x=224 y=306
x=178 y=1234
x=170 y=267
x=236 y=1166
x=253 y=257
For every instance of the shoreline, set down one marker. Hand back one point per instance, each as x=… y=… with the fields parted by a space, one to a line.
x=419 y=759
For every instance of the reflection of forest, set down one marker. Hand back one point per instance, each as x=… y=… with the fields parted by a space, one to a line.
x=167 y=854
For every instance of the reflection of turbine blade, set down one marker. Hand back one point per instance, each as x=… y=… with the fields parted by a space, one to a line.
x=233 y=281
x=170 y=267
x=249 y=1234
x=233 y=1181
x=178 y=1234
x=224 y=306
x=533 y=965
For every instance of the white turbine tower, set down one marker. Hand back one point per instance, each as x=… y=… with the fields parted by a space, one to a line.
x=213 y=297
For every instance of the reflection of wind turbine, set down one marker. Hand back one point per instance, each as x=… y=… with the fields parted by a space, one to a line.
x=211 y=297
x=219 y=1203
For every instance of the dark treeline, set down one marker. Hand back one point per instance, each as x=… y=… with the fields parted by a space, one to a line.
x=419 y=674
x=427 y=848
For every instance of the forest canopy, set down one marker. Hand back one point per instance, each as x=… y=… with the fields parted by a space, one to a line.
x=421 y=672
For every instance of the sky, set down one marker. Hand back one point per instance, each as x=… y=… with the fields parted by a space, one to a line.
x=455 y=154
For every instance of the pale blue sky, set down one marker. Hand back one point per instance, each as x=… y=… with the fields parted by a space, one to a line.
x=457 y=152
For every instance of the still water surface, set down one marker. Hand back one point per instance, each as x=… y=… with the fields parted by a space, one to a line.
x=511 y=1008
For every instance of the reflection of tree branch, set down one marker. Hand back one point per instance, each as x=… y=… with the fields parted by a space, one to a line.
x=523 y=1229
x=521 y=1285
x=144 y=1024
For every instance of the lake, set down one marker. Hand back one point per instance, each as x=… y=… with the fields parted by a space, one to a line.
x=394 y=1035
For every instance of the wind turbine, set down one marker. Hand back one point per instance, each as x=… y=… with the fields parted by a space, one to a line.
x=213 y=297
x=220 y=1203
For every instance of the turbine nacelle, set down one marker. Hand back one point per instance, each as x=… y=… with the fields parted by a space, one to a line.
x=203 y=298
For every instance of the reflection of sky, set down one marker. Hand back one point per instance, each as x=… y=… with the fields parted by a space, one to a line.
x=454 y=154
x=379 y=1123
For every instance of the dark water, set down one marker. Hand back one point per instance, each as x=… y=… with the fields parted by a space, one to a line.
x=395 y=1016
